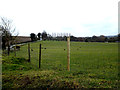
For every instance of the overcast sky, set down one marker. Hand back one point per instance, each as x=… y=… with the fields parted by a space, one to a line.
x=78 y=17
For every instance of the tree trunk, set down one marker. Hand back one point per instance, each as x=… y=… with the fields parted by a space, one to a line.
x=8 y=50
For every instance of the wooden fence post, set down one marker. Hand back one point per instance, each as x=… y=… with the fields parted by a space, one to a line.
x=68 y=53
x=40 y=56
x=28 y=52
x=15 y=50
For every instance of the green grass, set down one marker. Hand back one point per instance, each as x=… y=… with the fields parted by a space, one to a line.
x=92 y=65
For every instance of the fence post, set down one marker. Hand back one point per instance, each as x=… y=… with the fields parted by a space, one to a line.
x=15 y=50
x=28 y=52
x=39 y=55
x=68 y=53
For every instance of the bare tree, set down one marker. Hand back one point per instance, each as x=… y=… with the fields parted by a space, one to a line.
x=8 y=33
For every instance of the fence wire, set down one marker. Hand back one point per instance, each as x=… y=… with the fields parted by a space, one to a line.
x=84 y=57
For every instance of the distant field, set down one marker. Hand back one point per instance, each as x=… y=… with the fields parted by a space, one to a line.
x=92 y=65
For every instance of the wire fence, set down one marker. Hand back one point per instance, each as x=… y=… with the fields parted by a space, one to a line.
x=84 y=57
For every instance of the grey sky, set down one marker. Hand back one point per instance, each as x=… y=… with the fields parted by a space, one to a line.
x=78 y=17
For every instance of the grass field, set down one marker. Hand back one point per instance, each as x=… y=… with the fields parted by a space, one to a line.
x=92 y=65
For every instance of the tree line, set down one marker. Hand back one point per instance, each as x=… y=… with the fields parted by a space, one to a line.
x=39 y=36
x=100 y=38
x=44 y=36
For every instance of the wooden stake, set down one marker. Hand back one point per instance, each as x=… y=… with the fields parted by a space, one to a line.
x=40 y=56
x=28 y=52
x=68 y=53
x=15 y=50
